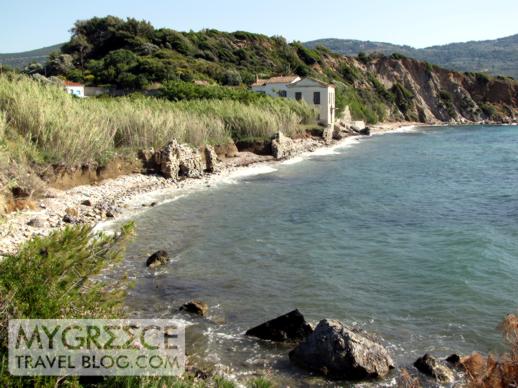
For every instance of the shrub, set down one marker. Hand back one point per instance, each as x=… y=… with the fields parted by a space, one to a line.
x=403 y=97
x=232 y=78
x=308 y=56
x=489 y=111
x=349 y=73
x=397 y=56
x=363 y=57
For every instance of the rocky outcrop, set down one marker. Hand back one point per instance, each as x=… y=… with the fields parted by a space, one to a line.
x=179 y=160
x=328 y=134
x=195 y=307
x=228 y=150
x=157 y=259
x=211 y=159
x=339 y=352
x=427 y=93
x=430 y=366
x=282 y=146
x=288 y=327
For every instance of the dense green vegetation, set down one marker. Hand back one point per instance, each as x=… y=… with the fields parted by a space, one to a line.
x=132 y=55
x=37 y=120
x=498 y=57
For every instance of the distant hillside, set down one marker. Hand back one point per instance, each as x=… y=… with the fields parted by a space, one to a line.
x=497 y=57
x=20 y=60
x=133 y=55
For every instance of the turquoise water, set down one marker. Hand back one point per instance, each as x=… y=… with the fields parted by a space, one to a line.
x=413 y=236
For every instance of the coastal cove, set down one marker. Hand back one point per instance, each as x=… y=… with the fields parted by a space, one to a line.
x=411 y=236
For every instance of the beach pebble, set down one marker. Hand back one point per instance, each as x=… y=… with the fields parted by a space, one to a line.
x=37 y=222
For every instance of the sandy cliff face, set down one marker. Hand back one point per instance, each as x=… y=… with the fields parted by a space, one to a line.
x=431 y=94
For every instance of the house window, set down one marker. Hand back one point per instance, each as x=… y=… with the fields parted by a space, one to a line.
x=283 y=93
x=298 y=96
x=316 y=98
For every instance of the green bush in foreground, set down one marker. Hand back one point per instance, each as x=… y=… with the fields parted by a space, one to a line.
x=51 y=278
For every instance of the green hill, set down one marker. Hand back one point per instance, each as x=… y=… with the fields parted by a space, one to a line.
x=497 y=57
x=133 y=55
x=20 y=60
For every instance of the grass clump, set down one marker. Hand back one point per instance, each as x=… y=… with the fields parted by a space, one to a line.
x=71 y=131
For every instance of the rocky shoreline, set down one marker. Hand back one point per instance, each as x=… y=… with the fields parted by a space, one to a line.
x=115 y=198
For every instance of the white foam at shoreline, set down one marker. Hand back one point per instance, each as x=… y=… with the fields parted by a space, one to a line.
x=259 y=169
x=295 y=160
x=138 y=204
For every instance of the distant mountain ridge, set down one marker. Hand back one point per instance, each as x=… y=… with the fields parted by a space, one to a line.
x=497 y=57
x=20 y=60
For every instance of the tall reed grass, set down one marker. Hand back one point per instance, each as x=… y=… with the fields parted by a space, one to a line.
x=69 y=130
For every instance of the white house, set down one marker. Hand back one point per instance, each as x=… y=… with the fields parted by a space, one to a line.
x=314 y=92
x=75 y=88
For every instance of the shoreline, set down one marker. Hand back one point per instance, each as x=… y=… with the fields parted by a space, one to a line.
x=115 y=200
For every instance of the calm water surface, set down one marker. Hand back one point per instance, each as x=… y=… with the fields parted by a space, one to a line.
x=413 y=236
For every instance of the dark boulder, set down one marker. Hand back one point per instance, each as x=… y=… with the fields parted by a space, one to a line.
x=288 y=327
x=338 y=352
x=364 y=132
x=157 y=259
x=453 y=359
x=86 y=202
x=196 y=307
x=431 y=367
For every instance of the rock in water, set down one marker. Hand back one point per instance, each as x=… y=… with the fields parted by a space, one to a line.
x=157 y=259
x=282 y=146
x=431 y=367
x=341 y=353
x=365 y=131
x=196 y=307
x=176 y=160
x=453 y=359
x=288 y=327
x=211 y=159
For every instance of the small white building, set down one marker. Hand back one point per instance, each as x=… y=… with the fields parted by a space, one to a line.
x=75 y=88
x=314 y=92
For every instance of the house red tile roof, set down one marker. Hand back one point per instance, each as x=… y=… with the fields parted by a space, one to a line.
x=276 y=80
x=70 y=83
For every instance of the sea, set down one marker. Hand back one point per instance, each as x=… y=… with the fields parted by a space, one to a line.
x=411 y=235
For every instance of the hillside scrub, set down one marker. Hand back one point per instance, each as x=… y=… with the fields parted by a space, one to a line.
x=58 y=128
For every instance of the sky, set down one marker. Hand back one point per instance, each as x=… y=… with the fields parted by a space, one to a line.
x=30 y=24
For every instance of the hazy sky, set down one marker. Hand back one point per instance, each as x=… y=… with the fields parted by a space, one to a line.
x=31 y=24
